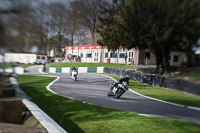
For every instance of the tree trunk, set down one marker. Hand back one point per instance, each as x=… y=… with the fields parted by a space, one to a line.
x=159 y=58
x=59 y=43
x=93 y=36
x=166 y=64
x=72 y=38
x=189 y=57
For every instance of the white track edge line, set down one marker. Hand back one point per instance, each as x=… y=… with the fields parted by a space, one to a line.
x=48 y=86
x=189 y=107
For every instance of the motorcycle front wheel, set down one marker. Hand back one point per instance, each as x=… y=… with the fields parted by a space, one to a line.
x=119 y=93
x=75 y=77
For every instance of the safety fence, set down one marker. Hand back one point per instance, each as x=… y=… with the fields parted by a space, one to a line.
x=79 y=69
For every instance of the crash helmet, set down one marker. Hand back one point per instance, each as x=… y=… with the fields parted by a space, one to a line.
x=73 y=67
x=127 y=77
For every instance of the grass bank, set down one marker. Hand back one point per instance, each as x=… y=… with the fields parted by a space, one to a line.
x=164 y=94
x=191 y=75
x=7 y=65
x=27 y=65
x=77 y=117
x=69 y=64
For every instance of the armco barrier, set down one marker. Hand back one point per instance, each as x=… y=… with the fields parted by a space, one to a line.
x=172 y=83
x=79 y=69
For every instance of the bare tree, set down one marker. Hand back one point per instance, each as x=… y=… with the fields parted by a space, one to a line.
x=40 y=29
x=47 y=26
x=89 y=11
x=73 y=23
x=17 y=27
x=58 y=23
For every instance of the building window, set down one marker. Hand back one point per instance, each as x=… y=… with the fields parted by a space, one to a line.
x=89 y=55
x=95 y=59
x=122 y=55
x=113 y=55
x=130 y=54
x=106 y=55
x=169 y=57
x=176 y=58
x=43 y=58
x=96 y=54
x=147 y=55
x=81 y=55
x=38 y=57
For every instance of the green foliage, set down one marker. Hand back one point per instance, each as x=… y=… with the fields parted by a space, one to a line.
x=109 y=30
x=154 y=24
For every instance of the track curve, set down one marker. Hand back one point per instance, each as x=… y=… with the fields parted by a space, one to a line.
x=92 y=89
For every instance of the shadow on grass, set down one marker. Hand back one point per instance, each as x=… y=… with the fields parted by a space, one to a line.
x=52 y=107
x=75 y=116
x=66 y=112
x=46 y=101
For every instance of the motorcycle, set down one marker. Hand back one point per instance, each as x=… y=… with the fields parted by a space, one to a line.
x=118 y=90
x=74 y=75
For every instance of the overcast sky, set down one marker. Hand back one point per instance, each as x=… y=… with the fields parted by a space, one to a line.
x=6 y=3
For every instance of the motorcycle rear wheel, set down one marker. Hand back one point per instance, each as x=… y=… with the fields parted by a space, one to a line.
x=109 y=93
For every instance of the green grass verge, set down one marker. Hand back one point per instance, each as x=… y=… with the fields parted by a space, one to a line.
x=164 y=94
x=27 y=65
x=77 y=117
x=69 y=64
x=191 y=75
x=7 y=65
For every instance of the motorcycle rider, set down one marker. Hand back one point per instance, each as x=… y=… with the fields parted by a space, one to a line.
x=124 y=79
x=73 y=69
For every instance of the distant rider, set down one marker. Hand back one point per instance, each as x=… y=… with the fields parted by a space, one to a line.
x=73 y=69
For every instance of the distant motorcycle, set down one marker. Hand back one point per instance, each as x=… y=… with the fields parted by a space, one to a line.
x=74 y=75
x=118 y=90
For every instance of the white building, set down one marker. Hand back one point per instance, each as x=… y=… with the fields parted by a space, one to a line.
x=26 y=58
x=134 y=56
x=101 y=54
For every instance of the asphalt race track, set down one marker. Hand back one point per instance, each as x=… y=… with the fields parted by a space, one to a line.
x=93 y=88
